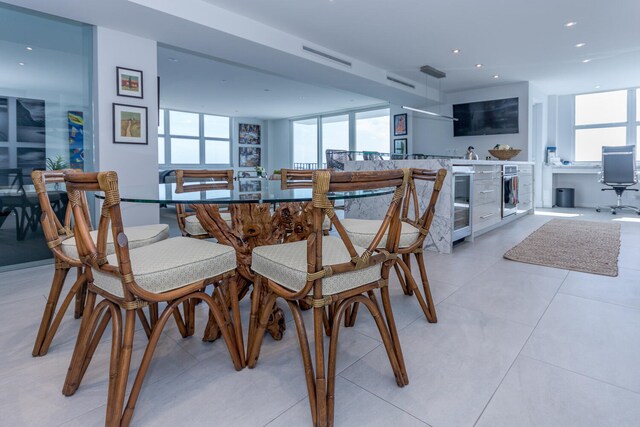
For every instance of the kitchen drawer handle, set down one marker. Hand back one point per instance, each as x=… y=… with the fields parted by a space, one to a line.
x=487 y=191
x=487 y=216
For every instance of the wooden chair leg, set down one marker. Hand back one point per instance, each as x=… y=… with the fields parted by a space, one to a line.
x=253 y=348
x=321 y=382
x=431 y=308
x=119 y=365
x=78 y=286
x=81 y=296
x=406 y=258
x=411 y=282
x=350 y=315
x=403 y=284
x=393 y=332
x=59 y=276
x=255 y=312
x=306 y=358
x=237 y=322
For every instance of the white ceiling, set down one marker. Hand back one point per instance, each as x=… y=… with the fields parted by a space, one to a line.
x=519 y=40
x=194 y=82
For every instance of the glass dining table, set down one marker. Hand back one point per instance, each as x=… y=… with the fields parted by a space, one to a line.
x=262 y=213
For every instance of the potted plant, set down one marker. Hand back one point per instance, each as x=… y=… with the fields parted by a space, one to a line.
x=57 y=163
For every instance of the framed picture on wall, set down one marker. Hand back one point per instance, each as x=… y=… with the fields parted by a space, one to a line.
x=249 y=157
x=129 y=124
x=30 y=120
x=129 y=82
x=4 y=119
x=250 y=185
x=400 y=124
x=400 y=146
x=249 y=134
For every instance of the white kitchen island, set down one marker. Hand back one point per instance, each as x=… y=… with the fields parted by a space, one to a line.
x=485 y=196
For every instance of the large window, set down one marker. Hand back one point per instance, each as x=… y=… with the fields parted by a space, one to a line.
x=605 y=118
x=192 y=139
x=367 y=130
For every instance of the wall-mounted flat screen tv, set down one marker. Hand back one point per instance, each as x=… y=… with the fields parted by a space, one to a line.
x=499 y=116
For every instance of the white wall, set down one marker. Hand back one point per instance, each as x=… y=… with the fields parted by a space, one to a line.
x=435 y=136
x=280 y=153
x=136 y=165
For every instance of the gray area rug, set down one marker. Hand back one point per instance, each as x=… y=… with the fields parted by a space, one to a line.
x=588 y=246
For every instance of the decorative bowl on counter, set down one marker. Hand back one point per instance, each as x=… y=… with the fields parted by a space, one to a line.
x=505 y=154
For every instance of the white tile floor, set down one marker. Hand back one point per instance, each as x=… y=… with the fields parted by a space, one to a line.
x=516 y=344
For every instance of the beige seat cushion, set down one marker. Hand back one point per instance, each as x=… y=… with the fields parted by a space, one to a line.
x=139 y=236
x=286 y=264
x=193 y=227
x=362 y=231
x=171 y=264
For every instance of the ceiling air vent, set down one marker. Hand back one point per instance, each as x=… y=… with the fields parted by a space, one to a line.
x=326 y=55
x=400 y=82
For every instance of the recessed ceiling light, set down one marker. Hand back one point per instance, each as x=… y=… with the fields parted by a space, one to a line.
x=570 y=24
x=302 y=97
x=496 y=76
x=267 y=90
x=584 y=61
x=20 y=63
x=223 y=81
x=597 y=86
x=478 y=65
x=455 y=51
x=29 y=48
x=173 y=60
x=580 y=44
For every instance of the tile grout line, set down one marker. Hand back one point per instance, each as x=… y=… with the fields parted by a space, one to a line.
x=281 y=413
x=520 y=351
x=384 y=400
x=580 y=374
x=600 y=301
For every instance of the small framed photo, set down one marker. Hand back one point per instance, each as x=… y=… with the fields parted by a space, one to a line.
x=129 y=124
x=400 y=146
x=250 y=196
x=400 y=124
x=129 y=82
x=249 y=134
x=250 y=186
x=249 y=157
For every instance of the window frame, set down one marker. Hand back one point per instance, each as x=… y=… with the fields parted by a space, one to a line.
x=352 y=130
x=630 y=125
x=202 y=139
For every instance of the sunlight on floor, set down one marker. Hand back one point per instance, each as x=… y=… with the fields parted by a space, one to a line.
x=559 y=214
x=627 y=219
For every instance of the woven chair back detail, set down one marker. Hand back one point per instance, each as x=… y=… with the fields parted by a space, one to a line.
x=325 y=182
x=55 y=231
x=411 y=203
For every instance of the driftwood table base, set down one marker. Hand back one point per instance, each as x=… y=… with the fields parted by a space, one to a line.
x=252 y=225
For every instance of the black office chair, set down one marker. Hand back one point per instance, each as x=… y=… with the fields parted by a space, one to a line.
x=619 y=173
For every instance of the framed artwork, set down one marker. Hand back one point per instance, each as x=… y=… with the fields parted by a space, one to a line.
x=250 y=185
x=400 y=124
x=129 y=82
x=249 y=134
x=400 y=146
x=30 y=159
x=4 y=119
x=4 y=158
x=249 y=157
x=129 y=124
x=30 y=120
x=76 y=139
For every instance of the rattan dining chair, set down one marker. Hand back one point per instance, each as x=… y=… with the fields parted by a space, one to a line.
x=208 y=180
x=412 y=236
x=60 y=239
x=298 y=178
x=172 y=271
x=330 y=271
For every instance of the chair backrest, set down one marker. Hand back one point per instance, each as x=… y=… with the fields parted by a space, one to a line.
x=325 y=182
x=296 y=178
x=55 y=232
x=11 y=181
x=192 y=180
x=619 y=165
x=214 y=179
x=94 y=254
x=411 y=201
